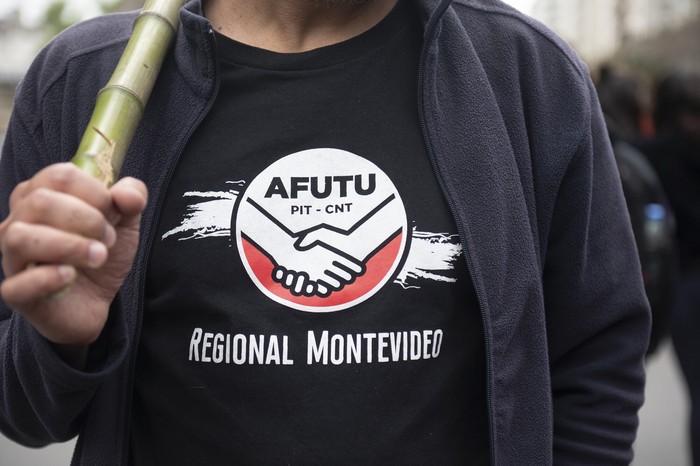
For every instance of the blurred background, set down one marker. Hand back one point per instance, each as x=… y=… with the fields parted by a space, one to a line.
x=630 y=47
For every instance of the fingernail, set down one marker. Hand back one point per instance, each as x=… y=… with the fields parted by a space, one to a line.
x=66 y=272
x=96 y=254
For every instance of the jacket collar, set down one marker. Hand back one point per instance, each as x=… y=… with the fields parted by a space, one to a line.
x=195 y=53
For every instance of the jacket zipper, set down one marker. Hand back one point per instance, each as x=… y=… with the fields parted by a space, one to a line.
x=149 y=243
x=428 y=37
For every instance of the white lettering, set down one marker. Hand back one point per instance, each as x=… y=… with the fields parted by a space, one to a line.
x=273 y=351
x=369 y=337
x=382 y=344
x=256 y=349
x=218 y=355
x=415 y=345
x=337 y=346
x=194 y=344
x=437 y=342
x=317 y=352
x=395 y=338
x=354 y=348
x=426 y=342
x=285 y=352
x=405 y=345
x=322 y=347
x=239 y=349
x=365 y=348
x=207 y=344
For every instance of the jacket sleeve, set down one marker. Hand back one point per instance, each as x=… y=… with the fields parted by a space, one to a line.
x=598 y=318
x=41 y=397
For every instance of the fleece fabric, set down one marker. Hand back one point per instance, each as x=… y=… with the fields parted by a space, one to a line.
x=519 y=147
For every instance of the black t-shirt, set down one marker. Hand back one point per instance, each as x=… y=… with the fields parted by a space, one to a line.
x=307 y=298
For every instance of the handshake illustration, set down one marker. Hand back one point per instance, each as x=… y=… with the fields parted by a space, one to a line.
x=323 y=259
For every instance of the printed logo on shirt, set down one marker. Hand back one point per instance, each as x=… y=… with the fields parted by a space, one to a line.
x=209 y=214
x=321 y=230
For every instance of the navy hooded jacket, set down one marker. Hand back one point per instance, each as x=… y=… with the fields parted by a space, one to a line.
x=519 y=147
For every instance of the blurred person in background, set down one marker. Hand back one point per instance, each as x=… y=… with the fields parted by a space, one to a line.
x=653 y=223
x=622 y=98
x=675 y=153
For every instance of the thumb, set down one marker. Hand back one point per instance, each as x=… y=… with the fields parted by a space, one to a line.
x=310 y=239
x=130 y=197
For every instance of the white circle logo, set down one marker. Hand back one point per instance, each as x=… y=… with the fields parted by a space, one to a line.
x=321 y=230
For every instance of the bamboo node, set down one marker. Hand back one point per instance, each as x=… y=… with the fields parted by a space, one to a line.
x=158 y=15
x=139 y=99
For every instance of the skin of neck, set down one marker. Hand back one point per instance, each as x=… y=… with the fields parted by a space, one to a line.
x=288 y=26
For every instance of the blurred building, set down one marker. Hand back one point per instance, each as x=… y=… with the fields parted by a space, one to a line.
x=23 y=34
x=595 y=28
x=598 y=28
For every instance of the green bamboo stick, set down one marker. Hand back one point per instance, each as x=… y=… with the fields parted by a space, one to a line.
x=120 y=104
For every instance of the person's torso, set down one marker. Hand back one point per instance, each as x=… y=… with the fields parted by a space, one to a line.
x=307 y=299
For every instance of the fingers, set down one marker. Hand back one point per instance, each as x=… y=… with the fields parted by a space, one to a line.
x=65 y=212
x=23 y=244
x=340 y=273
x=40 y=282
x=298 y=283
x=343 y=271
x=346 y=266
x=65 y=178
x=63 y=197
x=322 y=290
x=64 y=216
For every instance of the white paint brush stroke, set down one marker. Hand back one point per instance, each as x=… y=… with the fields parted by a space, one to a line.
x=207 y=219
x=432 y=257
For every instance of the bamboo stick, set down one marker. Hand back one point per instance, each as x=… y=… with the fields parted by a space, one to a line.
x=120 y=104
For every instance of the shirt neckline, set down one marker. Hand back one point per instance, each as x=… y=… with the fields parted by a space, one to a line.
x=234 y=52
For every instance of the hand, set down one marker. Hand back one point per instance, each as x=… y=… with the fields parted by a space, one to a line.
x=317 y=273
x=315 y=270
x=67 y=246
x=323 y=236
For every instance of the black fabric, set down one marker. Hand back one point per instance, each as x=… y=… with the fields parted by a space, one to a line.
x=200 y=401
